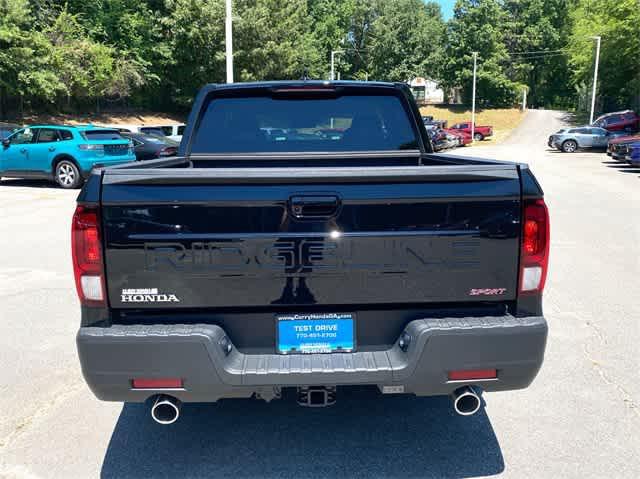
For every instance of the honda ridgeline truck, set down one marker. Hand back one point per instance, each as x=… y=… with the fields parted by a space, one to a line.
x=251 y=263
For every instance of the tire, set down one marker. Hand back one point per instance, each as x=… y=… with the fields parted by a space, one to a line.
x=478 y=136
x=67 y=175
x=569 y=146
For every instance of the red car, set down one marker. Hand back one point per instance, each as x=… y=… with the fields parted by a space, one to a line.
x=617 y=147
x=626 y=120
x=464 y=137
x=479 y=132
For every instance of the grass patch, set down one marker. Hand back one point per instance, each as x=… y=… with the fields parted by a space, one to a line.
x=503 y=120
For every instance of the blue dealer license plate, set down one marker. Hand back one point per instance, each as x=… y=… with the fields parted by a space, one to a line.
x=315 y=333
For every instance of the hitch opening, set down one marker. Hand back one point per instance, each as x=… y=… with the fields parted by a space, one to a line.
x=316 y=396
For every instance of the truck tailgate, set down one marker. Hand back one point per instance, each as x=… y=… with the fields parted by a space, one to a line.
x=215 y=238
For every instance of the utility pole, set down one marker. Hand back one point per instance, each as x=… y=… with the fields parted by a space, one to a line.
x=473 y=97
x=228 y=26
x=595 y=77
x=333 y=63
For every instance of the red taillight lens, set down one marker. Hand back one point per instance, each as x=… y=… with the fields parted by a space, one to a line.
x=159 y=383
x=86 y=250
x=168 y=151
x=535 y=246
x=470 y=374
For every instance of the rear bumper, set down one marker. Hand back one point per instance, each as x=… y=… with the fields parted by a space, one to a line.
x=111 y=357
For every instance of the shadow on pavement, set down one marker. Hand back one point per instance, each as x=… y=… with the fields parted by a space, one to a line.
x=575 y=118
x=622 y=167
x=28 y=183
x=363 y=435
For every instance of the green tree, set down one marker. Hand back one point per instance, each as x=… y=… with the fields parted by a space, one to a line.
x=535 y=36
x=273 y=40
x=330 y=25
x=25 y=57
x=479 y=25
x=194 y=34
x=618 y=23
x=88 y=69
x=407 y=41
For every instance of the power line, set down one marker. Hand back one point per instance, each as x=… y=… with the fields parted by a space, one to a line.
x=538 y=52
x=539 y=56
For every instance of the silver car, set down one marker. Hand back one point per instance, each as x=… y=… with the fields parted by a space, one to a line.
x=570 y=139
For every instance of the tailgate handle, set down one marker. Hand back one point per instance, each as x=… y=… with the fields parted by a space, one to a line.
x=316 y=206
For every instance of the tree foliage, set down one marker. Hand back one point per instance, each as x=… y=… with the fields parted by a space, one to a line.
x=72 y=54
x=618 y=24
x=479 y=26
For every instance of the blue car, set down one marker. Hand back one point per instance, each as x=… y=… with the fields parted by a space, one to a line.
x=633 y=157
x=65 y=154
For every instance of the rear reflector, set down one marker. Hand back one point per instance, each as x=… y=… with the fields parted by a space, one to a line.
x=534 y=251
x=472 y=374
x=160 y=383
x=91 y=287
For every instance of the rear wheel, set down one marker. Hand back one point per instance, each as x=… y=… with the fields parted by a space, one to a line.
x=478 y=136
x=67 y=175
x=569 y=146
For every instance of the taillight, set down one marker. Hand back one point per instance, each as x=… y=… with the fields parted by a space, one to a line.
x=534 y=250
x=168 y=151
x=86 y=250
x=91 y=147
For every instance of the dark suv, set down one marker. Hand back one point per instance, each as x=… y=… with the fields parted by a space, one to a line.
x=626 y=120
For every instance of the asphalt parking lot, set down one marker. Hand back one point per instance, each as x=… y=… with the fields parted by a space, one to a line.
x=580 y=418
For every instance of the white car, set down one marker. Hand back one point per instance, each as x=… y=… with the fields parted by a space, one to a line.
x=173 y=132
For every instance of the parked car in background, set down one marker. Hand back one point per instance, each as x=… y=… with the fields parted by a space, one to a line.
x=149 y=147
x=633 y=157
x=570 y=140
x=434 y=122
x=453 y=139
x=330 y=133
x=626 y=120
x=479 y=132
x=618 y=148
x=65 y=154
x=464 y=138
x=6 y=129
x=173 y=132
x=439 y=138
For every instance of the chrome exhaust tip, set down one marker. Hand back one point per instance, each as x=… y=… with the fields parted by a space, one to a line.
x=466 y=401
x=166 y=409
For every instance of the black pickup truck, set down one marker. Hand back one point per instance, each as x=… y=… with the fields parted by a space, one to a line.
x=307 y=237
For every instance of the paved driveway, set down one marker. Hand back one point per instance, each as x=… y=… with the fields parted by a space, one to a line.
x=580 y=418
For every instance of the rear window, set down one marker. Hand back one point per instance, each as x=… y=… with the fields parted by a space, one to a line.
x=154 y=139
x=265 y=124
x=154 y=130
x=102 y=135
